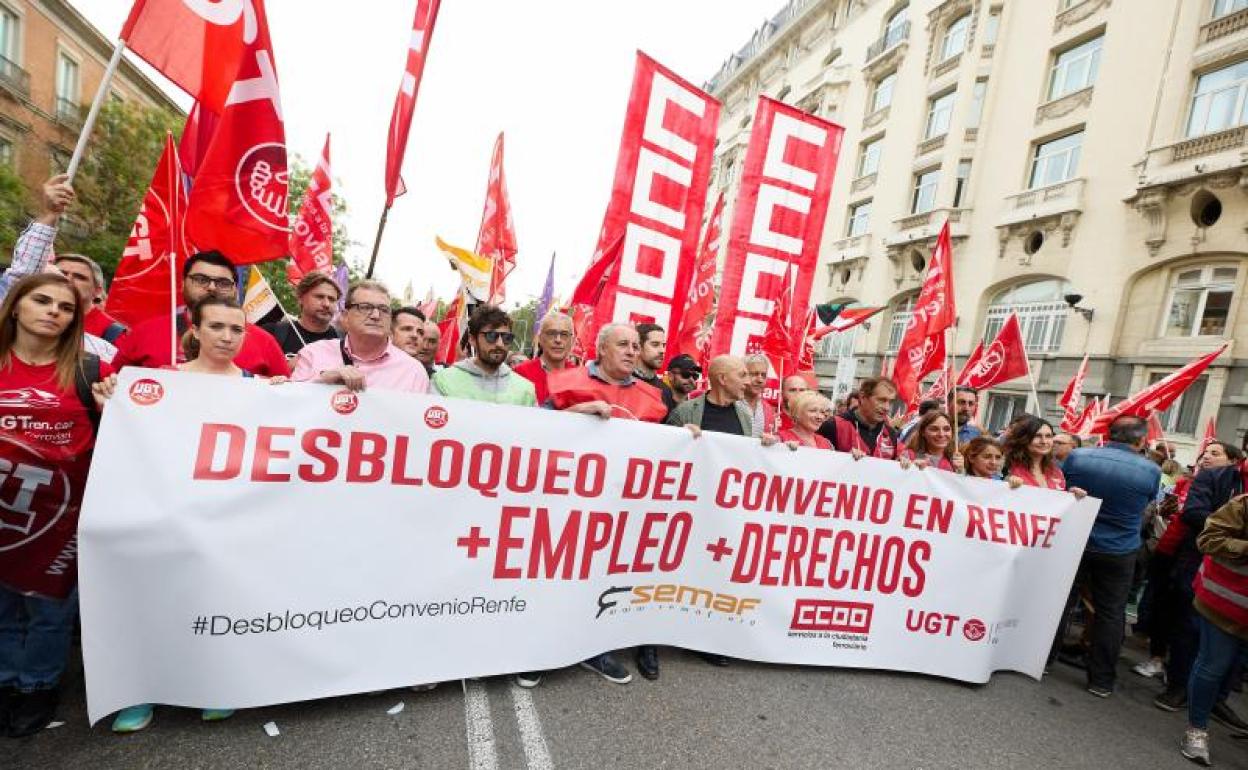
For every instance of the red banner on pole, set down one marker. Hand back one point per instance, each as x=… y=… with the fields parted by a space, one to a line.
x=777 y=222
x=933 y=313
x=405 y=101
x=1002 y=360
x=1160 y=395
x=657 y=200
x=497 y=236
x=701 y=302
x=141 y=285
x=312 y=237
x=1072 y=397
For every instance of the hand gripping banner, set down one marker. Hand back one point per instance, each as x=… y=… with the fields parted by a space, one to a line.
x=299 y=541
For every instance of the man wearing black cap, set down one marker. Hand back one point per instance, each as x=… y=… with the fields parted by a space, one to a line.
x=683 y=374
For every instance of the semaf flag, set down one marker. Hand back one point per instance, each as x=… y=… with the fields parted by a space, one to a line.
x=474 y=270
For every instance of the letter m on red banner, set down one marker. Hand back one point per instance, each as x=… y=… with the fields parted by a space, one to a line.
x=658 y=197
x=778 y=222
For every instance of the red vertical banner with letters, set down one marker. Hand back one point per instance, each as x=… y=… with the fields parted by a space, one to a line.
x=657 y=200
x=777 y=223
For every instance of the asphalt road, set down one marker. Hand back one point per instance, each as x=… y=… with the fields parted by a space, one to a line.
x=696 y=716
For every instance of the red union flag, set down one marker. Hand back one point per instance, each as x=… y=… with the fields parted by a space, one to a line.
x=405 y=101
x=141 y=286
x=933 y=313
x=701 y=302
x=1211 y=435
x=497 y=237
x=1002 y=360
x=778 y=341
x=657 y=200
x=312 y=237
x=1072 y=397
x=1159 y=396
x=777 y=223
x=238 y=202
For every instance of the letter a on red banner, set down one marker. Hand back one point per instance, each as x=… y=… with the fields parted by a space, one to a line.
x=658 y=199
x=778 y=222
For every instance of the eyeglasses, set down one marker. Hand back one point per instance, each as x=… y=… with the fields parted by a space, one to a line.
x=557 y=334
x=203 y=281
x=494 y=337
x=368 y=308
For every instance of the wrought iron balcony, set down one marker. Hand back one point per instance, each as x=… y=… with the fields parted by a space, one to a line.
x=68 y=113
x=890 y=40
x=14 y=78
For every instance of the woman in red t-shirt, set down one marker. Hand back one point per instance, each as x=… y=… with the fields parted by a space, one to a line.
x=931 y=444
x=1029 y=456
x=47 y=408
x=810 y=410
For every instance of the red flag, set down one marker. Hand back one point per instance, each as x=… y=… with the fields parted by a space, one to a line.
x=846 y=320
x=497 y=237
x=202 y=46
x=1004 y=359
x=937 y=391
x=806 y=352
x=1211 y=435
x=196 y=134
x=701 y=302
x=933 y=313
x=405 y=101
x=1073 y=396
x=1155 y=431
x=1160 y=395
x=658 y=200
x=312 y=237
x=777 y=221
x=238 y=202
x=777 y=343
x=449 y=329
x=141 y=285
x=587 y=303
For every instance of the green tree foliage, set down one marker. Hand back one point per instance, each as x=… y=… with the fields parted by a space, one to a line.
x=14 y=203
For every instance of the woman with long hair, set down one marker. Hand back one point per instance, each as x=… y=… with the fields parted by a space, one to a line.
x=46 y=380
x=213 y=340
x=931 y=443
x=1029 y=456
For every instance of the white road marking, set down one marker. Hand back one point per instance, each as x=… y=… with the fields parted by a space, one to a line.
x=482 y=752
x=536 y=752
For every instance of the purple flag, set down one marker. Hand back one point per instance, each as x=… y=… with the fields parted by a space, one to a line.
x=548 y=292
x=343 y=279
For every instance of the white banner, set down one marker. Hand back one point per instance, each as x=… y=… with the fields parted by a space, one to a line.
x=246 y=544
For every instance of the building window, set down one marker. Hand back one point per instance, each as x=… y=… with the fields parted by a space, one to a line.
x=59 y=160
x=954 y=41
x=1183 y=416
x=10 y=35
x=1224 y=7
x=977 y=103
x=939 y=111
x=1001 y=409
x=1075 y=68
x=924 y=198
x=859 y=219
x=1055 y=161
x=991 y=26
x=963 y=184
x=1220 y=101
x=895 y=30
x=1200 y=302
x=882 y=96
x=1041 y=310
x=869 y=157
x=67 y=86
x=6 y=152
x=839 y=344
x=897 y=327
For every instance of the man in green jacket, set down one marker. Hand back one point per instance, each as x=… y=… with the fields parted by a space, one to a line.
x=486 y=376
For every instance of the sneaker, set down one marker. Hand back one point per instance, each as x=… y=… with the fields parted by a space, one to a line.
x=1224 y=714
x=133 y=719
x=1196 y=746
x=529 y=679
x=423 y=687
x=215 y=715
x=1100 y=692
x=31 y=711
x=1149 y=668
x=1171 y=700
x=606 y=666
x=648 y=661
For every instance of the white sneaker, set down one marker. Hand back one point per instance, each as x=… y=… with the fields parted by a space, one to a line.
x=1149 y=668
x=1196 y=746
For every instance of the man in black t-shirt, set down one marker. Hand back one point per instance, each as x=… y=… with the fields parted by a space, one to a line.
x=318 y=299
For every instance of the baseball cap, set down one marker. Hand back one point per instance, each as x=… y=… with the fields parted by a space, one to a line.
x=685 y=363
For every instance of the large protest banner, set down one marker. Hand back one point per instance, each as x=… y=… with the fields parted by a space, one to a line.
x=244 y=544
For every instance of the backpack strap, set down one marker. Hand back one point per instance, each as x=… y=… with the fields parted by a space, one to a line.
x=87 y=374
x=113 y=331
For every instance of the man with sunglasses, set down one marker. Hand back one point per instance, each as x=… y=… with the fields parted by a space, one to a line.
x=554 y=345
x=683 y=374
x=486 y=376
x=365 y=357
x=206 y=273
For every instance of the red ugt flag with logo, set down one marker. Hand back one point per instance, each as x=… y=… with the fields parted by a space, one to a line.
x=933 y=313
x=1004 y=359
x=1159 y=396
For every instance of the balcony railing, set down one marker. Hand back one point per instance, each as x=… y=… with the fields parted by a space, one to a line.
x=1225 y=25
x=1044 y=201
x=1209 y=144
x=68 y=112
x=14 y=77
x=890 y=40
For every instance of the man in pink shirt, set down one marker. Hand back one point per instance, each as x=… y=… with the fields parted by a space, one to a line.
x=364 y=357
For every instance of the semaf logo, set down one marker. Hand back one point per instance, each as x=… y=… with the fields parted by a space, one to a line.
x=832 y=615
x=146 y=392
x=344 y=401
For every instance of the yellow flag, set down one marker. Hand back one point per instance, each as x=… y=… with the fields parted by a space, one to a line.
x=474 y=269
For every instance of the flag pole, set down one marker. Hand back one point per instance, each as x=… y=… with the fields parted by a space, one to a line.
x=381 y=228
x=173 y=309
x=1032 y=382
x=89 y=124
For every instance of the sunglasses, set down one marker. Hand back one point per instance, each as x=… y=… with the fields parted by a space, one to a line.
x=493 y=337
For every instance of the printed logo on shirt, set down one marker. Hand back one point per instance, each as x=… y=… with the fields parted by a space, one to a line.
x=30 y=398
x=33 y=496
x=146 y=392
x=437 y=417
x=344 y=401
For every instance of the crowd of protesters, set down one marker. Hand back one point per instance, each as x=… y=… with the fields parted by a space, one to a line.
x=1177 y=539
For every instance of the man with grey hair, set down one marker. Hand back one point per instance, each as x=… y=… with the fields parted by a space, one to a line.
x=762 y=414
x=554 y=345
x=88 y=281
x=365 y=356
